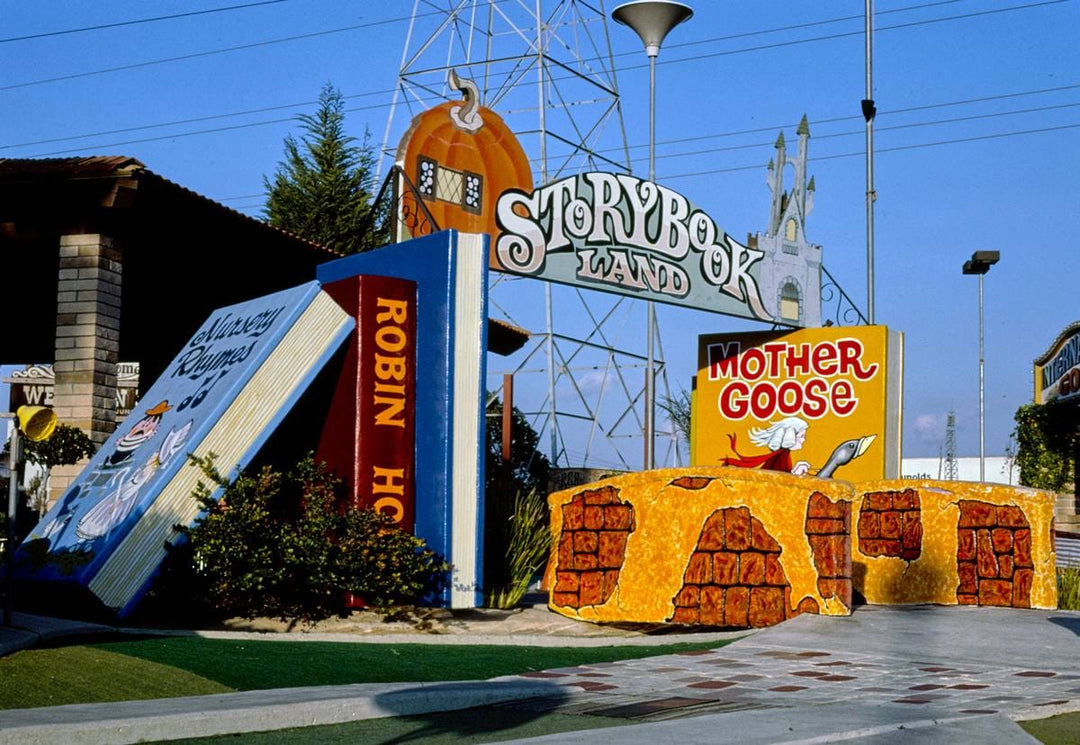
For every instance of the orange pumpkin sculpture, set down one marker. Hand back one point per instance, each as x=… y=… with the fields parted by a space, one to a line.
x=460 y=156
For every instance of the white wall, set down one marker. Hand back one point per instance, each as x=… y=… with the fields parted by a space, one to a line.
x=997 y=469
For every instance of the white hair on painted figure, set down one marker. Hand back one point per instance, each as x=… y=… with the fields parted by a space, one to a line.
x=781 y=434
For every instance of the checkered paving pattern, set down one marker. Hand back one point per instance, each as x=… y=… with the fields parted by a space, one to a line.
x=749 y=674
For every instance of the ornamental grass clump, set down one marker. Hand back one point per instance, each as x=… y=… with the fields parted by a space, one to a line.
x=283 y=545
x=526 y=536
x=1068 y=581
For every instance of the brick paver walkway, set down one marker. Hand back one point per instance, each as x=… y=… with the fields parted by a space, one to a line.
x=989 y=671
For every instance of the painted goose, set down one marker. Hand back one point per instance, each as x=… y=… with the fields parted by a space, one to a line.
x=844 y=453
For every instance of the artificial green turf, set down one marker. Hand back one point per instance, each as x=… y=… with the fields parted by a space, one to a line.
x=82 y=675
x=489 y=724
x=1063 y=729
x=253 y=665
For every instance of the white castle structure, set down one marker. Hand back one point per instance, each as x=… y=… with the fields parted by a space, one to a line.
x=791 y=268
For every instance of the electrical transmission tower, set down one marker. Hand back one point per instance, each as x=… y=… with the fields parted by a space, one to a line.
x=546 y=67
x=951 y=469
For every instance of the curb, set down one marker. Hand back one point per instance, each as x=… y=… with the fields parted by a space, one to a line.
x=250 y=711
x=472 y=639
x=19 y=635
x=13 y=640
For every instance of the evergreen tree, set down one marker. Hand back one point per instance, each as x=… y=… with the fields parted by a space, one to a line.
x=322 y=190
x=528 y=468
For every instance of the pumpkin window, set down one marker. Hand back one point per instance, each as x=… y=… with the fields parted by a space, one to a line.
x=448 y=185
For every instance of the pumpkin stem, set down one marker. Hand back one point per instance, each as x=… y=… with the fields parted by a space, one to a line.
x=466 y=117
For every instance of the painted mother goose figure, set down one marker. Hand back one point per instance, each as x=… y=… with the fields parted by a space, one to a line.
x=786 y=436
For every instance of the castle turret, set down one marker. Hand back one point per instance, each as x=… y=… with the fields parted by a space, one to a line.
x=791 y=268
x=776 y=186
x=799 y=191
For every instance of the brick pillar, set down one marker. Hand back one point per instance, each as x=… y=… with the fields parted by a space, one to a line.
x=87 y=341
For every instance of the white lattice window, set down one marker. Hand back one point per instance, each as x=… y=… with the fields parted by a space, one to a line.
x=448 y=184
x=437 y=182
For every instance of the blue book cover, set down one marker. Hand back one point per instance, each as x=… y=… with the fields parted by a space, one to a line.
x=450 y=272
x=224 y=393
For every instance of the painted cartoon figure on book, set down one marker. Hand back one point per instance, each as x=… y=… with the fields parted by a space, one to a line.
x=113 y=487
x=785 y=436
x=142 y=431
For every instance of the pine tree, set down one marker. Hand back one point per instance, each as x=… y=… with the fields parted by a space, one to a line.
x=322 y=190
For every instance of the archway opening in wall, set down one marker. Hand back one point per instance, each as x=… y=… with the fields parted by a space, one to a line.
x=790 y=302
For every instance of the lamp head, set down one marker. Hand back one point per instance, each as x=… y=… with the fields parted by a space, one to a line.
x=36 y=422
x=652 y=20
x=981 y=261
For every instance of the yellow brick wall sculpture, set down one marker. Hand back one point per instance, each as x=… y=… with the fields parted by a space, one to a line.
x=709 y=545
x=953 y=542
x=748 y=548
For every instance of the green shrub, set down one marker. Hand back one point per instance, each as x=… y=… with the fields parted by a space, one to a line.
x=280 y=545
x=1046 y=436
x=67 y=445
x=1068 y=582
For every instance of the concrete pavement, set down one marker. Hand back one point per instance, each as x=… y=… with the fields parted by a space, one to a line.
x=863 y=678
x=921 y=673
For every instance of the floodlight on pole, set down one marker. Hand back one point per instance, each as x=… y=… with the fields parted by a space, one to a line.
x=651 y=20
x=980 y=263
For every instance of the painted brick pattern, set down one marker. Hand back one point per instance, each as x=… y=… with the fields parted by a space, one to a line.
x=596 y=525
x=693 y=483
x=993 y=555
x=890 y=524
x=734 y=576
x=828 y=529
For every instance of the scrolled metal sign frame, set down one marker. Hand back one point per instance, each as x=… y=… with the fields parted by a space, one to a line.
x=625 y=235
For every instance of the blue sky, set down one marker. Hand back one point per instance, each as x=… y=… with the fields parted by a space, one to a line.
x=976 y=140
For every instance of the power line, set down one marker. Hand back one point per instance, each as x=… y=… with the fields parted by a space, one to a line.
x=848 y=34
x=793 y=27
x=199 y=55
x=316 y=34
x=119 y=24
x=795 y=42
x=881 y=113
x=376 y=106
x=193 y=133
x=834 y=135
x=695 y=138
x=839 y=156
x=897 y=148
x=223 y=50
x=951 y=120
x=195 y=120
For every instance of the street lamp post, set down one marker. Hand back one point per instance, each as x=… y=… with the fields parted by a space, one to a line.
x=651 y=20
x=13 y=502
x=980 y=263
x=34 y=423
